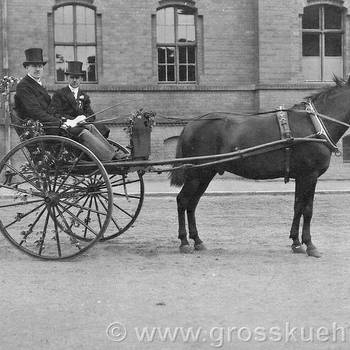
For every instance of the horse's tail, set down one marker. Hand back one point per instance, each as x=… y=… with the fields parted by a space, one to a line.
x=177 y=177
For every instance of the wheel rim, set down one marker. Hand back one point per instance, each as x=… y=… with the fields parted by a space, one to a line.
x=48 y=211
x=128 y=194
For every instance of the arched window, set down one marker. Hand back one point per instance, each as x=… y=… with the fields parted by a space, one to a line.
x=322 y=27
x=75 y=39
x=176 y=43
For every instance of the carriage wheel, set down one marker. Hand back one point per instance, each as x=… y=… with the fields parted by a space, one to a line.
x=48 y=210
x=128 y=194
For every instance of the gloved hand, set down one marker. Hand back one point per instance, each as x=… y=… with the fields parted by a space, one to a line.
x=80 y=118
x=71 y=123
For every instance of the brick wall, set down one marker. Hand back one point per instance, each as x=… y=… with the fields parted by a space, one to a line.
x=249 y=59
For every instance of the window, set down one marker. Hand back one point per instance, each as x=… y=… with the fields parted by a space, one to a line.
x=322 y=43
x=75 y=39
x=176 y=44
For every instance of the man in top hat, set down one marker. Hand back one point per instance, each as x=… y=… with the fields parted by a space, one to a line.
x=73 y=103
x=31 y=99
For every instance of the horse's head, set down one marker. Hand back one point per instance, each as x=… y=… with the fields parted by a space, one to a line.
x=334 y=100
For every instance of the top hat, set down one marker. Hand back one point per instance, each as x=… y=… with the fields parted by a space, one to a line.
x=34 y=56
x=74 y=68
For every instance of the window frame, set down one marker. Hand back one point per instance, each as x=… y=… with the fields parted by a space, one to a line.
x=75 y=44
x=176 y=44
x=321 y=31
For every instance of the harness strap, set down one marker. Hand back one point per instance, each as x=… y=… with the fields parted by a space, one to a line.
x=286 y=133
x=320 y=128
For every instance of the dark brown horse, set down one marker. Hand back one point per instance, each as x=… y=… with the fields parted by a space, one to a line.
x=217 y=133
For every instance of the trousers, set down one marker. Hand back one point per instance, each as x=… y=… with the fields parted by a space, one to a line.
x=91 y=138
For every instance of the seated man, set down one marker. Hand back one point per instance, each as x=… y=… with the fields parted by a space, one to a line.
x=33 y=102
x=72 y=102
x=75 y=106
x=31 y=99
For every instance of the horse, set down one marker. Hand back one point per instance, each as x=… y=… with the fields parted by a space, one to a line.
x=219 y=132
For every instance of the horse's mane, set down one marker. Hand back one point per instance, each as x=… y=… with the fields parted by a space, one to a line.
x=339 y=83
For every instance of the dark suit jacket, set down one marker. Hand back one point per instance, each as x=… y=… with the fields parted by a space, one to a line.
x=32 y=101
x=64 y=103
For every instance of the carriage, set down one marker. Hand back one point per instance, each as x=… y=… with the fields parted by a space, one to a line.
x=59 y=199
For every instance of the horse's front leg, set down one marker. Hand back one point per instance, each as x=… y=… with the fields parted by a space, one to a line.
x=304 y=198
x=294 y=231
x=307 y=216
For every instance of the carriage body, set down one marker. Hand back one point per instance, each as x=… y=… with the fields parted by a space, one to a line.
x=59 y=198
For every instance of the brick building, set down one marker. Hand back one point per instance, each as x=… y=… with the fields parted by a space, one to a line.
x=181 y=58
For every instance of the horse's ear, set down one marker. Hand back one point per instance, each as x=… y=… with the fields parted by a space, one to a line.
x=337 y=80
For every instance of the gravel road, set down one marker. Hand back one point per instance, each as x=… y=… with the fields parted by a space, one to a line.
x=247 y=291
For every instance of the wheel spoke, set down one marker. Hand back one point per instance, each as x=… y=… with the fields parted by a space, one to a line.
x=42 y=239
x=20 y=203
x=80 y=221
x=69 y=172
x=112 y=218
x=126 y=195
x=121 y=209
x=32 y=227
x=23 y=177
x=56 y=233
x=83 y=208
x=70 y=186
x=28 y=192
x=98 y=213
x=24 y=215
x=88 y=218
x=68 y=229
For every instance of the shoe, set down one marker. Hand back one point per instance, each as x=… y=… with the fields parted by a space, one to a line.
x=120 y=156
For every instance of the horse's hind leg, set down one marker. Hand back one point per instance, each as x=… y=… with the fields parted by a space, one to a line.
x=187 y=201
x=182 y=199
x=191 y=209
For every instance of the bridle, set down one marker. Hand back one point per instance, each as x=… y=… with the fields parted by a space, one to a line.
x=310 y=108
x=322 y=129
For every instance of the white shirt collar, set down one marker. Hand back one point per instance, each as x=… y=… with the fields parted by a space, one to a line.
x=75 y=91
x=36 y=80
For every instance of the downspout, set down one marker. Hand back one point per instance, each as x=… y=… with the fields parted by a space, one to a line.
x=5 y=57
x=5 y=71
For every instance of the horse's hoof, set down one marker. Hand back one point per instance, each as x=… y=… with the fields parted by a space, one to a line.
x=185 y=249
x=298 y=249
x=313 y=252
x=200 y=246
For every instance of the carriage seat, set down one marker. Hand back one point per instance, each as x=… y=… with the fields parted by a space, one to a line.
x=15 y=120
x=140 y=140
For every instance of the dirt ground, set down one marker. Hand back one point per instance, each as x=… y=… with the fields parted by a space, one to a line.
x=247 y=291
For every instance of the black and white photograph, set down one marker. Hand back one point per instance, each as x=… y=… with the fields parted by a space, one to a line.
x=174 y=174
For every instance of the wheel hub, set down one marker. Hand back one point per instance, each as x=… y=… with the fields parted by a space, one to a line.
x=52 y=198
